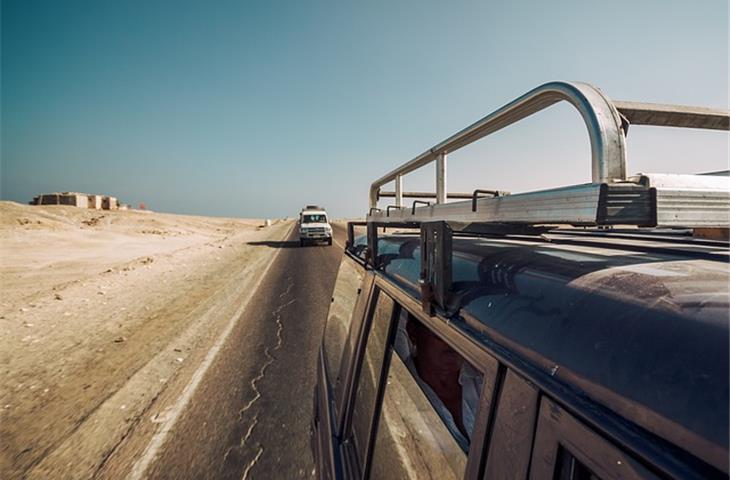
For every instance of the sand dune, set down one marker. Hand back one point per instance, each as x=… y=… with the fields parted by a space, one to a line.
x=101 y=311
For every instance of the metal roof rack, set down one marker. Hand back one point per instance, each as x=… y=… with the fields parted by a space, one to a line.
x=611 y=198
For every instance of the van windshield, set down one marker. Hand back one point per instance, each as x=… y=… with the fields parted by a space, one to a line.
x=314 y=218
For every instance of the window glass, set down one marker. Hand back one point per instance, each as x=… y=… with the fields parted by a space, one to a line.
x=314 y=218
x=511 y=437
x=362 y=306
x=566 y=449
x=568 y=467
x=371 y=370
x=429 y=407
x=345 y=296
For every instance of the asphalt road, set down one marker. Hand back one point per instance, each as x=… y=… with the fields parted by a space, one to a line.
x=250 y=416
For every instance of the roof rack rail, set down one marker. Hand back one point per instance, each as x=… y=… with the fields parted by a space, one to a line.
x=611 y=198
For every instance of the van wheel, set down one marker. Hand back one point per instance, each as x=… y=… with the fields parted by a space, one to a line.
x=329 y=241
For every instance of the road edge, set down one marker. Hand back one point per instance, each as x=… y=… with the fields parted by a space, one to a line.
x=140 y=467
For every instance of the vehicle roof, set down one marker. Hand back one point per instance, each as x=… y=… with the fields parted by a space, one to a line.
x=636 y=322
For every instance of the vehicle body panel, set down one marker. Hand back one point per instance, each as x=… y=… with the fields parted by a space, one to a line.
x=625 y=335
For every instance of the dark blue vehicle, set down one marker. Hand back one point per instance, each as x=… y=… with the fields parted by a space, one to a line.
x=587 y=359
x=574 y=333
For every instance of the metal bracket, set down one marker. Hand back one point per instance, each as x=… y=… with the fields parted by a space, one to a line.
x=394 y=207
x=625 y=124
x=474 y=196
x=626 y=204
x=350 y=242
x=372 y=252
x=413 y=208
x=372 y=242
x=436 y=265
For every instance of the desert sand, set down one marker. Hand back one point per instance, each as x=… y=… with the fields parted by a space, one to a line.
x=101 y=313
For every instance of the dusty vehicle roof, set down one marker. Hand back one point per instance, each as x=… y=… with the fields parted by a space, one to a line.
x=313 y=208
x=637 y=323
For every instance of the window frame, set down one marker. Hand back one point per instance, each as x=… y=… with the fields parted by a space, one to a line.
x=380 y=387
x=354 y=468
x=342 y=396
x=557 y=428
x=466 y=346
x=365 y=289
x=511 y=438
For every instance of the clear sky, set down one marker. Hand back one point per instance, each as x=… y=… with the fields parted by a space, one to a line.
x=242 y=108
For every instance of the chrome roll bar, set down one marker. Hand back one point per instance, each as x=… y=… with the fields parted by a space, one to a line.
x=602 y=119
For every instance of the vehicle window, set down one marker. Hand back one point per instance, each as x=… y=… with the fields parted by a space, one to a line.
x=344 y=298
x=568 y=467
x=370 y=373
x=341 y=385
x=511 y=437
x=566 y=449
x=314 y=218
x=428 y=410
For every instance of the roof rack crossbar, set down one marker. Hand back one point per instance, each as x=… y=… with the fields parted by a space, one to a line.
x=454 y=195
x=660 y=115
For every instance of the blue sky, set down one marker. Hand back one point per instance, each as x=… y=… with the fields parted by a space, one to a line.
x=254 y=109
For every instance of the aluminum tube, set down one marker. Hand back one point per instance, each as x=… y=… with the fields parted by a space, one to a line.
x=441 y=178
x=608 y=151
x=449 y=195
x=674 y=115
x=399 y=191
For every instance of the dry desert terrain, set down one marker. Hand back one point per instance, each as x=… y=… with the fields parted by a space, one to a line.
x=103 y=315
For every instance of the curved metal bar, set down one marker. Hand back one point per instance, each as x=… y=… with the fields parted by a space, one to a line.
x=608 y=150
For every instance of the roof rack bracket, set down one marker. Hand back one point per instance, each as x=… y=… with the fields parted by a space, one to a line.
x=436 y=265
x=350 y=242
x=371 y=255
x=474 y=196
x=394 y=207
x=416 y=202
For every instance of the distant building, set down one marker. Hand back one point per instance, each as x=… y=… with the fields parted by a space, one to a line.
x=109 y=203
x=95 y=201
x=76 y=199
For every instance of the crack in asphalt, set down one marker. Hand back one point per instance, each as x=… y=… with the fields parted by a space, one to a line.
x=268 y=352
x=252 y=463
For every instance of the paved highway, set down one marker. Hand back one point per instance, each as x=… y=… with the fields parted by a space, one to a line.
x=249 y=417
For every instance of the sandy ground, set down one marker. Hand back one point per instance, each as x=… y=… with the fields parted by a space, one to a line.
x=101 y=312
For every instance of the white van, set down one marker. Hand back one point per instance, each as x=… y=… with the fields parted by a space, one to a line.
x=314 y=226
